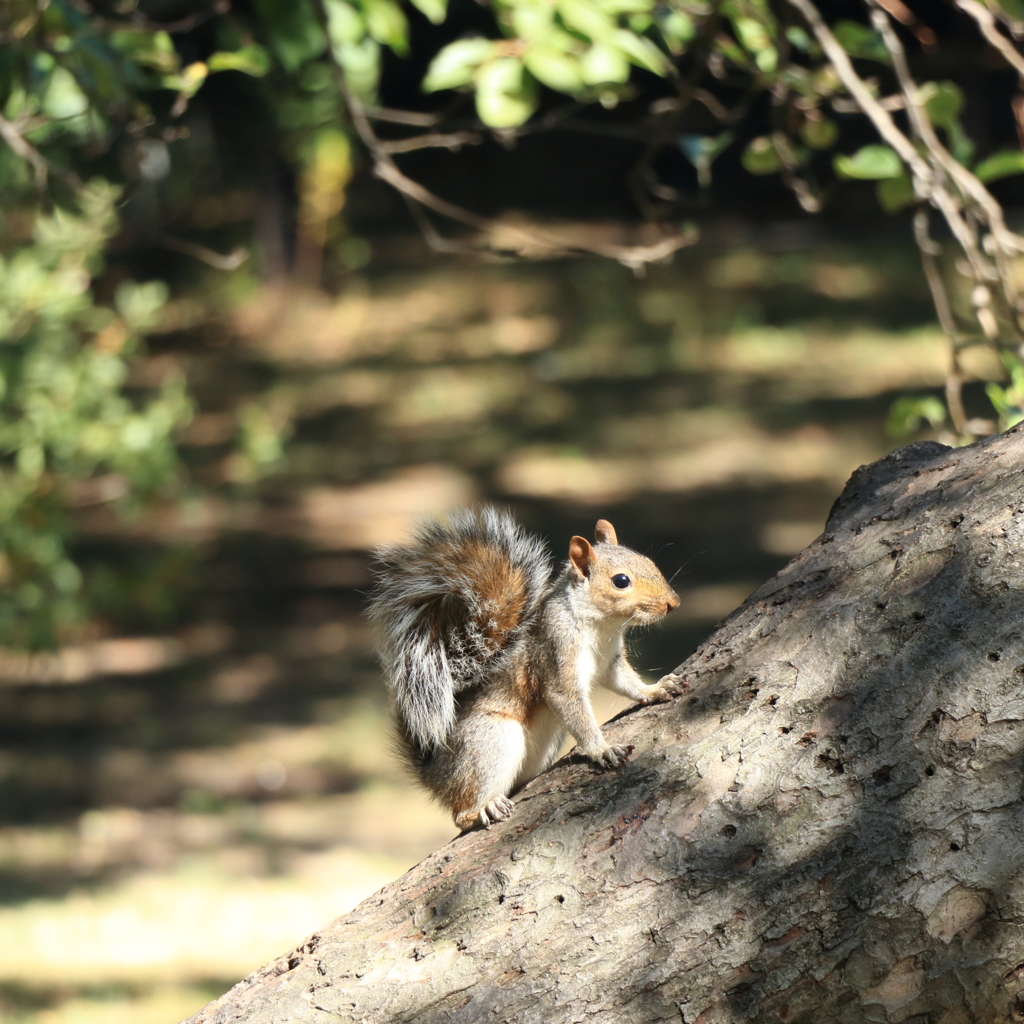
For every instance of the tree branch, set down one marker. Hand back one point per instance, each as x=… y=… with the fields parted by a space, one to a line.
x=530 y=242
x=219 y=261
x=987 y=26
x=954 y=374
x=950 y=187
x=823 y=828
x=28 y=153
x=435 y=140
x=137 y=20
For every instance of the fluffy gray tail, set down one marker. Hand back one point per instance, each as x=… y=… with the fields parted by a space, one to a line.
x=447 y=606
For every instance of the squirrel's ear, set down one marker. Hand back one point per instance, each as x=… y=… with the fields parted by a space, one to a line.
x=604 y=532
x=581 y=554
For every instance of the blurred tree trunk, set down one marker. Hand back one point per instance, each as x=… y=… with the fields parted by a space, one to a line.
x=827 y=826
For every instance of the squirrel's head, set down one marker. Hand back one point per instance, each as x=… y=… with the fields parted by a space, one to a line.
x=621 y=583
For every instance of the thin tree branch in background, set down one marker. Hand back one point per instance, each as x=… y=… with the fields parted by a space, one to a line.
x=409 y=117
x=928 y=183
x=905 y=16
x=845 y=106
x=987 y=26
x=800 y=187
x=230 y=261
x=643 y=178
x=435 y=140
x=1005 y=242
x=986 y=23
x=1017 y=105
x=972 y=213
x=528 y=243
x=719 y=110
x=10 y=134
x=137 y=20
x=42 y=169
x=929 y=249
x=433 y=237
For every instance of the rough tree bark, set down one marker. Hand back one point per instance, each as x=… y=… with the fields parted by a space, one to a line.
x=826 y=826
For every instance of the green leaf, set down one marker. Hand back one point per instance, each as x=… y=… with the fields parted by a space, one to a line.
x=555 y=69
x=799 y=38
x=1000 y=165
x=960 y=144
x=767 y=60
x=361 y=64
x=63 y=97
x=250 y=60
x=729 y=49
x=505 y=95
x=533 y=23
x=139 y=304
x=189 y=81
x=586 y=18
x=1008 y=401
x=752 y=34
x=943 y=102
x=641 y=51
x=500 y=75
x=908 y=413
x=147 y=49
x=293 y=31
x=755 y=38
x=345 y=24
x=1012 y=8
x=819 y=134
x=895 y=193
x=700 y=149
x=860 y=41
x=435 y=10
x=31 y=460
x=869 y=163
x=678 y=29
x=615 y=7
x=761 y=156
x=386 y=23
x=604 y=63
x=457 y=63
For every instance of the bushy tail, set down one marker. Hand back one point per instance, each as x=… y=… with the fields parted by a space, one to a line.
x=448 y=605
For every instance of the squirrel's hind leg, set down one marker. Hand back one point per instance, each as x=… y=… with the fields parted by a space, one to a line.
x=487 y=755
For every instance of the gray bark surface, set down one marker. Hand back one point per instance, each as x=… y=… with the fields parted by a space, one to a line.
x=828 y=825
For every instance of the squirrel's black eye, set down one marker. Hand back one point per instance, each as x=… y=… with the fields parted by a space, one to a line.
x=621 y=580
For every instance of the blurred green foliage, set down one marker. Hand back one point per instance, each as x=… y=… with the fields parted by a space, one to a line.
x=1008 y=401
x=910 y=413
x=65 y=416
x=99 y=90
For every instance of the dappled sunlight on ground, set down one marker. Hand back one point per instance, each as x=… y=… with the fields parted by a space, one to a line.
x=200 y=778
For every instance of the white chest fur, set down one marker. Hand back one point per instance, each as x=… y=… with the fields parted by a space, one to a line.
x=599 y=647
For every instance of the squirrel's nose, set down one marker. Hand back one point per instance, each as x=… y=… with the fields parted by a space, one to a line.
x=672 y=604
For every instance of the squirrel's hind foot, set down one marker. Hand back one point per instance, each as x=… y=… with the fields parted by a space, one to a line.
x=482 y=817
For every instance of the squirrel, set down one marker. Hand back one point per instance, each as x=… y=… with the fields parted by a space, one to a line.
x=491 y=657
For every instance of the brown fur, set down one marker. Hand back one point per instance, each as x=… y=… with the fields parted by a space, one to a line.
x=489 y=573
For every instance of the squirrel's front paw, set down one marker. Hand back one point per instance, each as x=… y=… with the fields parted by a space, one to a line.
x=613 y=756
x=664 y=689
